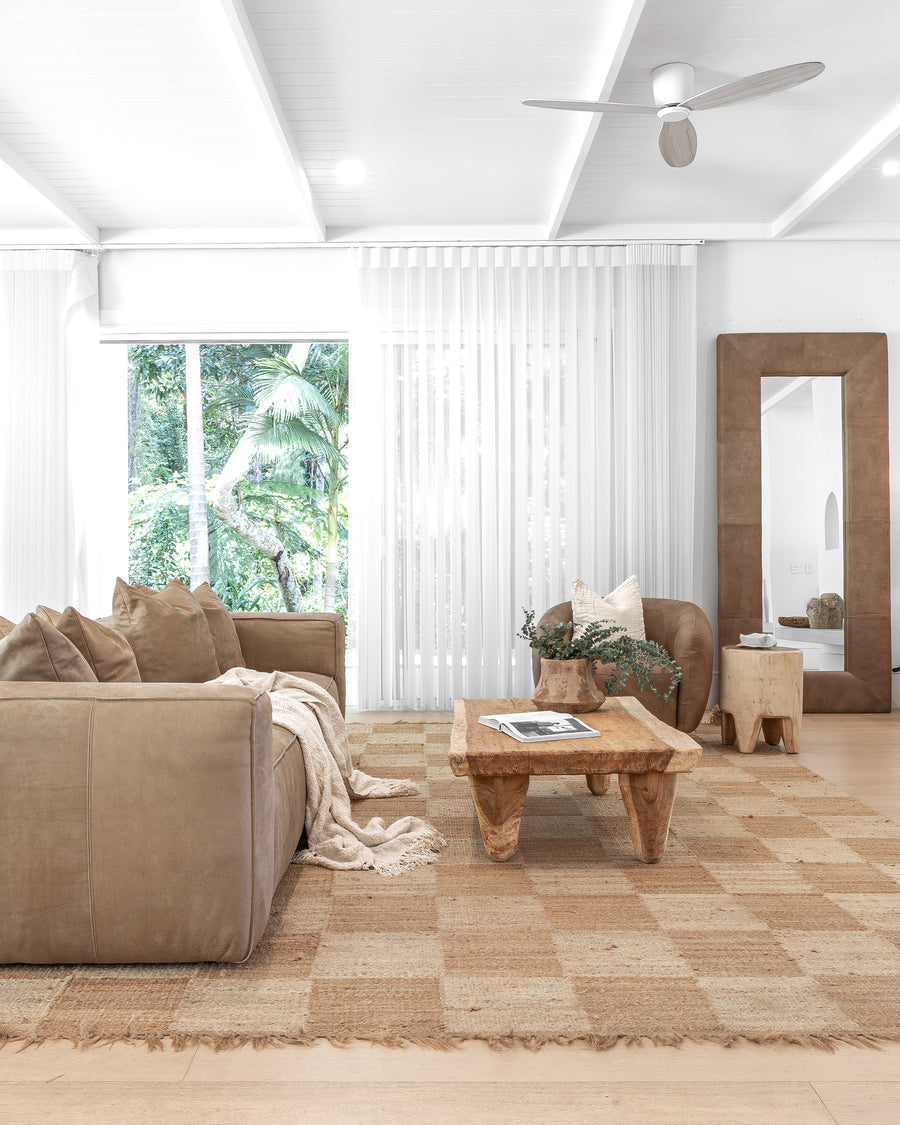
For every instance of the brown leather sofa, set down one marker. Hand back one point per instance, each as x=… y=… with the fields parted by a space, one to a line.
x=684 y=631
x=152 y=822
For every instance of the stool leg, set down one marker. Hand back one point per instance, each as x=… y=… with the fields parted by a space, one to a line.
x=773 y=731
x=791 y=734
x=728 y=734
x=747 y=728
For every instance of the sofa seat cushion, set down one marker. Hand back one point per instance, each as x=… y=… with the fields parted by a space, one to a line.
x=290 y=782
x=290 y=796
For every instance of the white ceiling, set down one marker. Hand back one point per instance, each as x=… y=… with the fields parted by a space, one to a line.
x=197 y=121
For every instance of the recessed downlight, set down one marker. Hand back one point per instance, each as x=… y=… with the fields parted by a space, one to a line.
x=890 y=167
x=350 y=172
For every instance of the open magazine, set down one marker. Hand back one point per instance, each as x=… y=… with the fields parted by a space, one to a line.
x=539 y=726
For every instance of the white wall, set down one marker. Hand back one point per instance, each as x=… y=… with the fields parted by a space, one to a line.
x=795 y=287
x=828 y=414
x=792 y=510
x=236 y=293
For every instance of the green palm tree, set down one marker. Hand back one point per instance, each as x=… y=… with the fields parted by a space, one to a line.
x=294 y=418
x=319 y=465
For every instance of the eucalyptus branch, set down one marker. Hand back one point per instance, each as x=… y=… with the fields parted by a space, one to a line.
x=608 y=645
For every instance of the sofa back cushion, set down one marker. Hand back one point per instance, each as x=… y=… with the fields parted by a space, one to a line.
x=221 y=625
x=34 y=650
x=167 y=631
x=6 y=627
x=106 y=650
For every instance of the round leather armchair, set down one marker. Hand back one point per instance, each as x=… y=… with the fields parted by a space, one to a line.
x=684 y=631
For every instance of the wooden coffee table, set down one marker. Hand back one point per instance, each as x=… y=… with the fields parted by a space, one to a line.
x=645 y=753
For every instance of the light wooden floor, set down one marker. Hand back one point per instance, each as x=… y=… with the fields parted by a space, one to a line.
x=693 y=1085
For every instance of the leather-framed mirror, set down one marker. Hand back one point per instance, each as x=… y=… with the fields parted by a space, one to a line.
x=860 y=361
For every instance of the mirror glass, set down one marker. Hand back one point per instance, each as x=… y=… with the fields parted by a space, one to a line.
x=802 y=429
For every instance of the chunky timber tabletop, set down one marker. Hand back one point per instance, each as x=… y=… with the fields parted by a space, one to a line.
x=645 y=753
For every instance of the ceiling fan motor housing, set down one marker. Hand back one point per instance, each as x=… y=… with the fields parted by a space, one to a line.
x=673 y=113
x=673 y=83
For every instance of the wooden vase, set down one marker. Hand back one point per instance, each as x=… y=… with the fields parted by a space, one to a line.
x=568 y=685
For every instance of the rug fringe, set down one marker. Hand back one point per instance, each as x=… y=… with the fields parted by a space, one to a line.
x=155 y=1041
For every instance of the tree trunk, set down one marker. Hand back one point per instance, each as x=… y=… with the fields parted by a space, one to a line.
x=134 y=400
x=331 y=550
x=225 y=505
x=199 y=530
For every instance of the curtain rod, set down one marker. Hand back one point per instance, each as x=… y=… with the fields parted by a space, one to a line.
x=89 y=250
x=536 y=242
x=401 y=242
x=404 y=243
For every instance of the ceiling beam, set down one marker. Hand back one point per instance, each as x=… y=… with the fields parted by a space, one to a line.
x=622 y=27
x=251 y=56
x=59 y=203
x=779 y=396
x=853 y=159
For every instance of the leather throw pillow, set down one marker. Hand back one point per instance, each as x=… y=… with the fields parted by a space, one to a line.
x=222 y=627
x=106 y=650
x=35 y=651
x=167 y=631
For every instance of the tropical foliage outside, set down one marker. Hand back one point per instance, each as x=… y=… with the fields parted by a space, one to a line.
x=274 y=446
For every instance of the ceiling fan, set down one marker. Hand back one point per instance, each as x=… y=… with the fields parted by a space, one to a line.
x=673 y=85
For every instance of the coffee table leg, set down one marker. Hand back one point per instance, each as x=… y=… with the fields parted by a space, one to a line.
x=598 y=783
x=498 y=802
x=648 y=799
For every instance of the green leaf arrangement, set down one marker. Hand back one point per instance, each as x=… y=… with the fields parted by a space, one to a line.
x=604 y=644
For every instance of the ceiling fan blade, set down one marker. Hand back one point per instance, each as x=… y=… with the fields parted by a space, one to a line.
x=755 y=86
x=678 y=143
x=594 y=107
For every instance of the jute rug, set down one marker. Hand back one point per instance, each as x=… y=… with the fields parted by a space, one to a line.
x=774 y=916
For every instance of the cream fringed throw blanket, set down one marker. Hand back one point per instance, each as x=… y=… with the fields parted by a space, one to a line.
x=334 y=839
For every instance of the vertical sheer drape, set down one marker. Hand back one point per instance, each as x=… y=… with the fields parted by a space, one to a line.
x=520 y=416
x=62 y=438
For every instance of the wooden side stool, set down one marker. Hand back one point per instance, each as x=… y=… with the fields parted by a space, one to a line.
x=761 y=688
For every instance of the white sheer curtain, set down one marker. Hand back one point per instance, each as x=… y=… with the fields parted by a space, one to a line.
x=520 y=417
x=63 y=440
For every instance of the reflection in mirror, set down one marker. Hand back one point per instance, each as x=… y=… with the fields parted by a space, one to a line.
x=803 y=516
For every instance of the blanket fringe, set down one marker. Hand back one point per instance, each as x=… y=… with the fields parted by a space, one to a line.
x=400 y=787
x=426 y=849
x=154 y=1041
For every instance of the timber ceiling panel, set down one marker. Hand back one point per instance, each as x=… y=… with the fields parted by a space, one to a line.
x=753 y=159
x=193 y=121
x=427 y=95
x=136 y=112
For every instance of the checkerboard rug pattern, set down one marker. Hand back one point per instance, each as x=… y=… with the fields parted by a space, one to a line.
x=774 y=915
